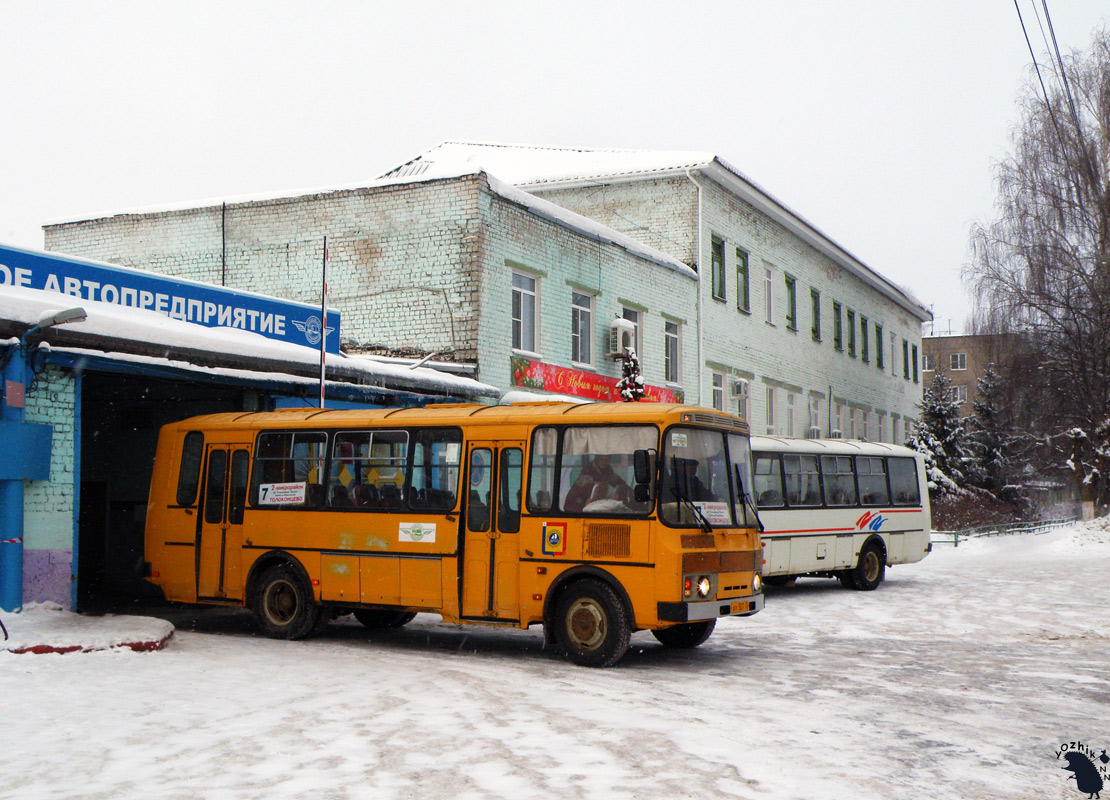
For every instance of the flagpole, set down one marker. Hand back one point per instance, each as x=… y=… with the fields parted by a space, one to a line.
x=323 y=321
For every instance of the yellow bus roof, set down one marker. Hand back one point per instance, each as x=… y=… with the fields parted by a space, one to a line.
x=551 y=413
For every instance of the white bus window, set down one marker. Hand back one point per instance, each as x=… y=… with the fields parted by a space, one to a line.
x=903 y=481
x=840 y=484
x=872 y=481
x=803 y=481
x=768 y=481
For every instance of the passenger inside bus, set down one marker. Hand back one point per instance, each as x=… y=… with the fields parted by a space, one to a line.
x=597 y=481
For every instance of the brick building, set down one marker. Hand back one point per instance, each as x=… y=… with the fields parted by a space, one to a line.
x=964 y=359
x=519 y=259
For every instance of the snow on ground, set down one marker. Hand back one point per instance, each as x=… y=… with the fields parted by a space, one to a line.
x=959 y=678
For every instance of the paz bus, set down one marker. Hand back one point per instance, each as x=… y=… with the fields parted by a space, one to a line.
x=839 y=508
x=592 y=520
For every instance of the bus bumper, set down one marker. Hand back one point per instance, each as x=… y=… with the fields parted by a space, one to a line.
x=710 y=609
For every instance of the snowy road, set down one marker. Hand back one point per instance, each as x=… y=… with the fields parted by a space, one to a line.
x=958 y=678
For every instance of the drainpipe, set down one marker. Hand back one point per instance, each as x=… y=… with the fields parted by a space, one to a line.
x=700 y=282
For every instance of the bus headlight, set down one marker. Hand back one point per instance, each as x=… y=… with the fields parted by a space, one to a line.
x=757 y=584
x=705 y=586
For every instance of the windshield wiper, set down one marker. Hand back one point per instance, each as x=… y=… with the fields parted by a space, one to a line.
x=746 y=498
x=680 y=496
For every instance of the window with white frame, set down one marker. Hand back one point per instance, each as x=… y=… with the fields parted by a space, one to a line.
x=769 y=290
x=814 y=416
x=927 y=364
x=581 y=315
x=633 y=316
x=718 y=391
x=525 y=296
x=959 y=394
x=672 y=333
x=770 y=410
x=717 y=265
x=791 y=428
x=743 y=391
x=958 y=361
x=865 y=434
x=853 y=431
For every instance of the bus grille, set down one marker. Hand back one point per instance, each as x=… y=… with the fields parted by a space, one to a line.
x=607 y=540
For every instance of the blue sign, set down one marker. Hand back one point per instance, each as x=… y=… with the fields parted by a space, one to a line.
x=177 y=298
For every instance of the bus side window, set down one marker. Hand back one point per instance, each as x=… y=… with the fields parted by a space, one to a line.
x=188 y=478
x=767 y=480
x=508 y=504
x=541 y=476
x=803 y=482
x=840 y=483
x=240 y=463
x=477 y=501
x=437 y=457
x=872 y=481
x=903 y=481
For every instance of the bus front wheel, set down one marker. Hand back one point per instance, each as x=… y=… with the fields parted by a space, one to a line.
x=591 y=624
x=870 y=570
x=284 y=606
x=687 y=635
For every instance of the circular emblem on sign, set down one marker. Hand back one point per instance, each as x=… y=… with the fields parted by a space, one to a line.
x=312 y=329
x=417 y=532
x=554 y=537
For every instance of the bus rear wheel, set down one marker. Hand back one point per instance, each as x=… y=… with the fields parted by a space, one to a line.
x=377 y=619
x=685 y=636
x=591 y=624
x=283 y=604
x=871 y=569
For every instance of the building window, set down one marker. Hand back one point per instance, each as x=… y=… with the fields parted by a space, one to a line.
x=791 y=424
x=864 y=341
x=671 y=334
x=878 y=346
x=852 y=334
x=743 y=282
x=791 y=303
x=959 y=394
x=769 y=289
x=838 y=328
x=927 y=364
x=814 y=417
x=717 y=267
x=893 y=355
x=905 y=359
x=633 y=316
x=581 y=313
x=770 y=410
x=913 y=357
x=718 y=391
x=525 y=296
x=852 y=430
x=743 y=391
x=866 y=433
x=815 y=303
x=958 y=361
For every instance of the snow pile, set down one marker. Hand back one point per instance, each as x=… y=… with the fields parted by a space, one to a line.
x=47 y=628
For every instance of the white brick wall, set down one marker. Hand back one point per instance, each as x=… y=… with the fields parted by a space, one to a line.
x=48 y=505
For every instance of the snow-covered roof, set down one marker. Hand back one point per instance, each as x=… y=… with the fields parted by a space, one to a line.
x=122 y=330
x=536 y=167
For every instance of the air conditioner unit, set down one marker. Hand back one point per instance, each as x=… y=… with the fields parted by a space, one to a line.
x=740 y=389
x=622 y=335
x=814 y=433
x=836 y=434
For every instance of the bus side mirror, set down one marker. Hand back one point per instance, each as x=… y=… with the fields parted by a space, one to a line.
x=641 y=463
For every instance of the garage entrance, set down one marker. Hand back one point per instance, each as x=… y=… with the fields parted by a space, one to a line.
x=120 y=418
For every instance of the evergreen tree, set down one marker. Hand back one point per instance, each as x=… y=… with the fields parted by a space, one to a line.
x=941 y=437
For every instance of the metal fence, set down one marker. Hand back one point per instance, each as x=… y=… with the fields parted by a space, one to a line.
x=1018 y=528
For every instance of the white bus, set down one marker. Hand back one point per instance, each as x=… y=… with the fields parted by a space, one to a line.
x=839 y=508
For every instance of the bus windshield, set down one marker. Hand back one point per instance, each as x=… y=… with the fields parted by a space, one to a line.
x=705 y=476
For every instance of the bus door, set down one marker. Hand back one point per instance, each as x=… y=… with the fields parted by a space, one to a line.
x=221 y=521
x=490 y=571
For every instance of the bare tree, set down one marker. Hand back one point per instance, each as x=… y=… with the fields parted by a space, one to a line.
x=1042 y=267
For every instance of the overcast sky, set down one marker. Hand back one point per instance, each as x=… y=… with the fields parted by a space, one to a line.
x=877 y=120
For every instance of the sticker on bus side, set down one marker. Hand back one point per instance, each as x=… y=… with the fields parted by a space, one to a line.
x=420 y=532
x=280 y=494
x=554 y=538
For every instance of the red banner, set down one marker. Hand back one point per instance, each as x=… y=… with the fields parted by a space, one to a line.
x=530 y=374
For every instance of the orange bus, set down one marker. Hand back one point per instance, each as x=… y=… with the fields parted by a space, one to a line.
x=593 y=520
